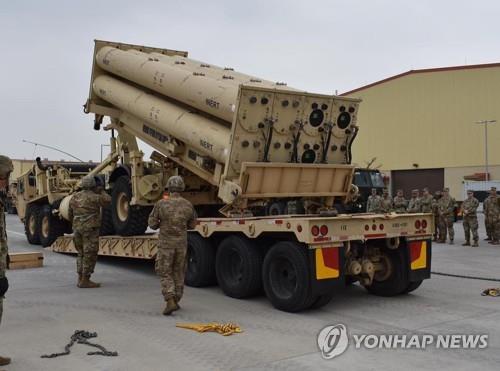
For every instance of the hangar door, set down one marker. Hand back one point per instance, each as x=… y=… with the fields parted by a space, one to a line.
x=417 y=178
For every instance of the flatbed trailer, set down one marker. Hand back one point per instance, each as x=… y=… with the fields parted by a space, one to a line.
x=300 y=261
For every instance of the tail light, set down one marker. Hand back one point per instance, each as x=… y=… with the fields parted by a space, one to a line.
x=417 y=224
x=424 y=224
x=315 y=230
x=323 y=230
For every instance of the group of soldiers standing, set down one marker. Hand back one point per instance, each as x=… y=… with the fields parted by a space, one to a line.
x=443 y=206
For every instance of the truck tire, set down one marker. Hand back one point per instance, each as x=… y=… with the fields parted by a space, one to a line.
x=321 y=301
x=32 y=225
x=51 y=227
x=238 y=266
x=106 y=222
x=200 y=269
x=127 y=220
x=397 y=283
x=286 y=277
x=276 y=208
x=413 y=286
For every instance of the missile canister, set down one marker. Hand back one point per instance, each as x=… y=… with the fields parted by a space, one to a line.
x=207 y=136
x=191 y=88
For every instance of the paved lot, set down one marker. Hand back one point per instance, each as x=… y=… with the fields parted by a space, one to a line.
x=44 y=308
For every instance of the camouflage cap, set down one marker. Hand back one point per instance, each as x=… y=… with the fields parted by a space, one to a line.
x=88 y=182
x=446 y=189
x=493 y=189
x=415 y=191
x=175 y=184
x=426 y=189
x=6 y=166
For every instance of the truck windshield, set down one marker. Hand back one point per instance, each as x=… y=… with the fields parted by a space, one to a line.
x=361 y=179
x=377 y=180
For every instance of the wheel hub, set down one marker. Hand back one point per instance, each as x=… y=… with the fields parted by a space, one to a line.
x=45 y=226
x=122 y=207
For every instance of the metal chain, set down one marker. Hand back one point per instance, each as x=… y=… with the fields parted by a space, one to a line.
x=468 y=277
x=81 y=337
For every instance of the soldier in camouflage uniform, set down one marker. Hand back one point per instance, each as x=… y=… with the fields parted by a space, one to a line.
x=174 y=215
x=446 y=206
x=85 y=209
x=469 y=212
x=400 y=203
x=426 y=202
x=486 y=204
x=435 y=211
x=373 y=205
x=414 y=203
x=493 y=215
x=386 y=202
x=5 y=170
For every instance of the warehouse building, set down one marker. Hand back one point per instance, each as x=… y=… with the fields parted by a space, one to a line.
x=422 y=127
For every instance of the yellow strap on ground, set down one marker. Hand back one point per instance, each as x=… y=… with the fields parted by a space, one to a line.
x=225 y=329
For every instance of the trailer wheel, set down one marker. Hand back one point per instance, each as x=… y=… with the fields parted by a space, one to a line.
x=286 y=277
x=396 y=282
x=32 y=225
x=106 y=222
x=127 y=220
x=322 y=300
x=51 y=227
x=413 y=286
x=200 y=269
x=238 y=266
x=276 y=208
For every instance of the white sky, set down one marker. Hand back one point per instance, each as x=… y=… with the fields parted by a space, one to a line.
x=315 y=45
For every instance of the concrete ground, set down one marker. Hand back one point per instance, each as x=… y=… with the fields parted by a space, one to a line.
x=43 y=308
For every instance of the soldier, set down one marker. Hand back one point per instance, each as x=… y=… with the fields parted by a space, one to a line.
x=435 y=211
x=493 y=215
x=414 y=203
x=426 y=202
x=469 y=212
x=174 y=216
x=386 y=202
x=373 y=203
x=5 y=170
x=85 y=208
x=486 y=204
x=446 y=205
x=400 y=203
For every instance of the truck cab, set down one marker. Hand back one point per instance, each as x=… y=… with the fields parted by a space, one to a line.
x=365 y=180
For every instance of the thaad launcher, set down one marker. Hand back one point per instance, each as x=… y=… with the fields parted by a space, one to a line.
x=245 y=140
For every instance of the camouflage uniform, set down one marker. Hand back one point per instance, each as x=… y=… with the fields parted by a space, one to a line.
x=400 y=204
x=493 y=215
x=435 y=211
x=446 y=206
x=469 y=207
x=426 y=203
x=386 y=204
x=6 y=168
x=487 y=203
x=414 y=204
x=85 y=207
x=174 y=216
x=374 y=204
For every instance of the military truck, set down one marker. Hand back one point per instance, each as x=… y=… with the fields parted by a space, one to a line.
x=265 y=166
x=39 y=193
x=365 y=180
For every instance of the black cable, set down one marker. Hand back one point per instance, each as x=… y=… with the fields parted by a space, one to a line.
x=468 y=277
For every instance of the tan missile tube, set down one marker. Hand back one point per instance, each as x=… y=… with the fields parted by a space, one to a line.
x=207 y=136
x=191 y=88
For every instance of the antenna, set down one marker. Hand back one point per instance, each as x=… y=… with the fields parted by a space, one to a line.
x=52 y=148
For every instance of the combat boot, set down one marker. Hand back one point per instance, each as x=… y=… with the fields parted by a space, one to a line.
x=86 y=283
x=4 y=361
x=170 y=307
x=467 y=243
x=475 y=244
x=487 y=238
x=451 y=242
x=494 y=242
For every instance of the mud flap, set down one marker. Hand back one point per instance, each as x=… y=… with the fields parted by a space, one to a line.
x=327 y=269
x=419 y=260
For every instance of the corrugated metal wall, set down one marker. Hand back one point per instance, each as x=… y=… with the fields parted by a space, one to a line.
x=407 y=180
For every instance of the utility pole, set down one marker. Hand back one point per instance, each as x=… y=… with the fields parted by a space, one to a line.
x=485 y=123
